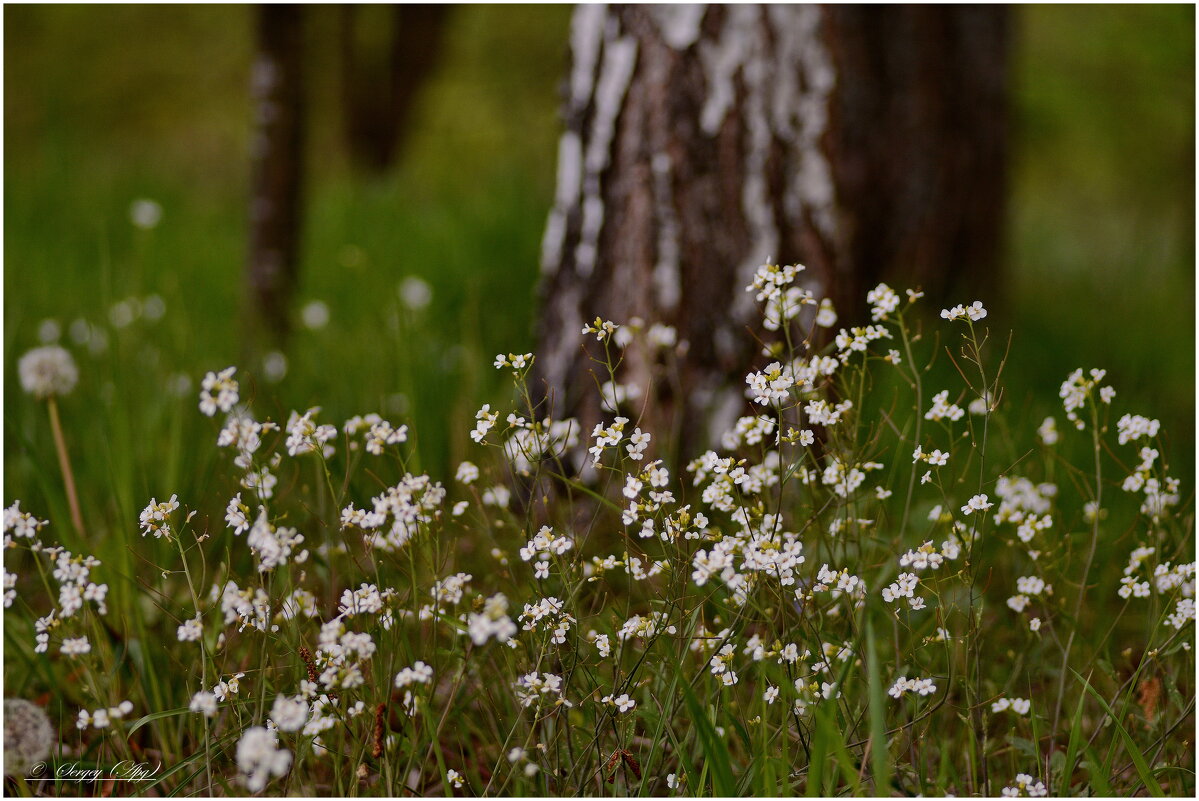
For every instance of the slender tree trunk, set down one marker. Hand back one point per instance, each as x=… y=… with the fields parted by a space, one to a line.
x=277 y=159
x=703 y=141
x=382 y=76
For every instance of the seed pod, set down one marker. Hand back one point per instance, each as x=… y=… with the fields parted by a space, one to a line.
x=632 y=762
x=377 y=745
x=306 y=655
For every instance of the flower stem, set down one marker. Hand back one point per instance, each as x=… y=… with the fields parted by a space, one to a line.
x=64 y=464
x=1086 y=572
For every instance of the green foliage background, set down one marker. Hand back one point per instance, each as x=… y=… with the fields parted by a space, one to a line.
x=108 y=104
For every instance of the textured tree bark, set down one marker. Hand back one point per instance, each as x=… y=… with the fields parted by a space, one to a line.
x=703 y=141
x=381 y=79
x=921 y=146
x=277 y=166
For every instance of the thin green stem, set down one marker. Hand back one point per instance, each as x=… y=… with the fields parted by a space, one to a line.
x=1086 y=572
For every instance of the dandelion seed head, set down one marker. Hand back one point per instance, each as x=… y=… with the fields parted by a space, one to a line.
x=28 y=736
x=145 y=213
x=274 y=366
x=48 y=371
x=416 y=293
x=315 y=315
x=49 y=331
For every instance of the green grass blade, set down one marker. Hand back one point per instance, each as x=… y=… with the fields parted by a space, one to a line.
x=716 y=753
x=1072 y=748
x=1138 y=759
x=196 y=759
x=1097 y=774
x=648 y=772
x=880 y=756
x=816 y=762
x=849 y=767
x=658 y=737
x=153 y=716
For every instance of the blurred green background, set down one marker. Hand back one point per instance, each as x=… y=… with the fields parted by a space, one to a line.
x=106 y=105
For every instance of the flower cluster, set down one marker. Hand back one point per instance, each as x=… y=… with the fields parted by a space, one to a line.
x=102 y=718
x=942 y=409
x=1018 y=705
x=972 y=313
x=493 y=621
x=259 y=757
x=1078 y=389
x=904 y=685
x=1025 y=786
x=219 y=391
x=531 y=687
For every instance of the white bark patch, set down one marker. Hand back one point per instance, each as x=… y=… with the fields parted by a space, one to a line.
x=801 y=102
x=586 y=41
x=679 y=24
x=264 y=76
x=756 y=75
x=587 y=250
x=619 y=61
x=722 y=58
x=566 y=196
x=586 y=37
x=667 y=279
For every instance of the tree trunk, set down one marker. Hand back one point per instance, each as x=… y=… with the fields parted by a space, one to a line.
x=277 y=165
x=382 y=75
x=703 y=141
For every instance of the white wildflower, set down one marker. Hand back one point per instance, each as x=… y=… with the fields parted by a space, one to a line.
x=218 y=391
x=259 y=758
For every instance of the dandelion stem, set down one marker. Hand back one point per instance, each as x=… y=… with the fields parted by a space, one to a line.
x=64 y=463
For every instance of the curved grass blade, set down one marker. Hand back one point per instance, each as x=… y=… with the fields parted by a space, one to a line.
x=1138 y=759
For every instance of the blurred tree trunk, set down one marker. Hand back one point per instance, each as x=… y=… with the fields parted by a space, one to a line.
x=277 y=165
x=866 y=143
x=384 y=65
